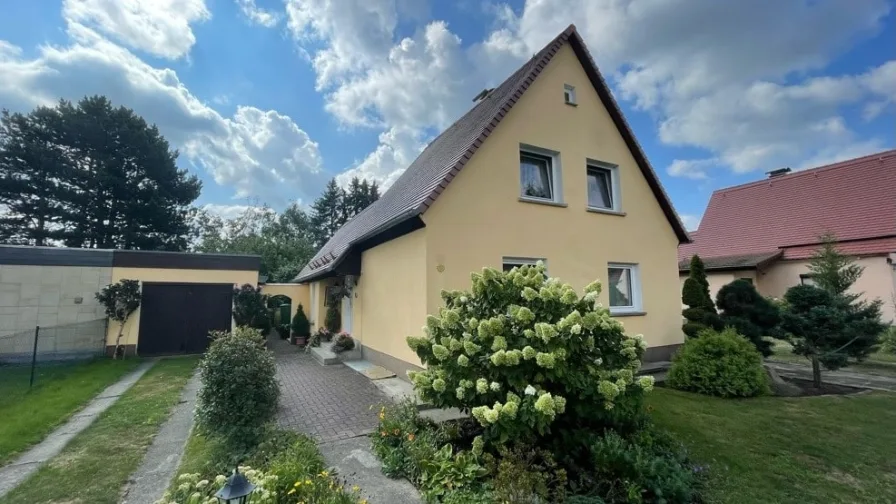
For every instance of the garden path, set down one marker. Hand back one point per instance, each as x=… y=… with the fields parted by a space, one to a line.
x=19 y=469
x=840 y=377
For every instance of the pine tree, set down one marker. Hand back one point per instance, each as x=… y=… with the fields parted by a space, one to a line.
x=701 y=312
x=833 y=271
x=327 y=213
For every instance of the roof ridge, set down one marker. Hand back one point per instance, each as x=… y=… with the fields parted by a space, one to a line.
x=827 y=167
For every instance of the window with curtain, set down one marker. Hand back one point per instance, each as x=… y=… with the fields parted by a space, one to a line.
x=536 y=176
x=600 y=188
x=624 y=288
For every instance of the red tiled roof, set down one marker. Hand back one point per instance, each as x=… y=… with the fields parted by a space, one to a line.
x=419 y=186
x=855 y=200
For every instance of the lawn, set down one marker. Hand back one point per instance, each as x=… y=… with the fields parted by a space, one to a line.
x=877 y=363
x=97 y=463
x=770 y=450
x=59 y=391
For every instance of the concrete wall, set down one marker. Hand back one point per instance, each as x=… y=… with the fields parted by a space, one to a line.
x=479 y=218
x=48 y=295
x=60 y=299
x=298 y=293
x=132 y=327
x=390 y=298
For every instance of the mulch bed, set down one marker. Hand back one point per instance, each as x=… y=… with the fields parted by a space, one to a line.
x=807 y=390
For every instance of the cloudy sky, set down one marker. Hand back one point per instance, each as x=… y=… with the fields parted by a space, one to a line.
x=268 y=99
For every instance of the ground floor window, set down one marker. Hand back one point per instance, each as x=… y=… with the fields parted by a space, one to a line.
x=624 y=285
x=508 y=263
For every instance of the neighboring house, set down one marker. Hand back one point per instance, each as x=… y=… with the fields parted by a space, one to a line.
x=543 y=167
x=183 y=297
x=767 y=231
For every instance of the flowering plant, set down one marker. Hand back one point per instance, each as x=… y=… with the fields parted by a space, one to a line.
x=191 y=489
x=522 y=350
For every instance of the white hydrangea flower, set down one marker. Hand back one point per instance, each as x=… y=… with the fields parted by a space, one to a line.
x=495 y=386
x=576 y=329
x=530 y=390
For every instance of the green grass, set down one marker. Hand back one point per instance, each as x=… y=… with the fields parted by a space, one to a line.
x=878 y=363
x=29 y=414
x=802 y=450
x=96 y=464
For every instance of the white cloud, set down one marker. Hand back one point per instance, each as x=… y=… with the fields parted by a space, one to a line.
x=691 y=222
x=227 y=211
x=259 y=153
x=397 y=149
x=694 y=169
x=159 y=27
x=257 y=15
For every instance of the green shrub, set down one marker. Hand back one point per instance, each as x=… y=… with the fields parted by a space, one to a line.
x=528 y=476
x=526 y=354
x=628 y=471
x=888 y=340
x=343 y=343
x=250 y=308
x=239 y=390
x=403 y=439
x=298 y=461
x=192 y=489
x=333 y=319
x=448 y=470
x=723 y=364
x=300 y=324
x=700 y=313
x=751 y=315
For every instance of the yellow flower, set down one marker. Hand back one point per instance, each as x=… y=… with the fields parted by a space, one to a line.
x=324 y=473
x=410 y=437
x=291 y=492
x=355 y=488
x=396 y=432
x=298 y=483
x=307 y=481
x=382 y=433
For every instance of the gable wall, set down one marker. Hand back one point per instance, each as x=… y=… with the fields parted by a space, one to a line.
x=479 y=218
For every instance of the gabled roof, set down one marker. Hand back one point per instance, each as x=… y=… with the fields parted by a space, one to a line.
x=420 y=185
x=855 y=200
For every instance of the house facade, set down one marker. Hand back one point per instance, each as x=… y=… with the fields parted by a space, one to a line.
x=544 y=167
x=767 y=231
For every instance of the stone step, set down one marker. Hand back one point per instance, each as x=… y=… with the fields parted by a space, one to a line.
x=324 y=356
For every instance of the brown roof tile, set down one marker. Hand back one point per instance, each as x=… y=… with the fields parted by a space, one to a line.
x=419 y=186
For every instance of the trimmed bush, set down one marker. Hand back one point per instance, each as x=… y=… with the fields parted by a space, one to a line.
x=723 y=364
x=750 y=314
x=333 y=319
x=700 y=313
x=239 y=390
x=525 y=354
x=300 y=324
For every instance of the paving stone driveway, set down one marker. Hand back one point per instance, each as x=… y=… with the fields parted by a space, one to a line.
x=326 y=402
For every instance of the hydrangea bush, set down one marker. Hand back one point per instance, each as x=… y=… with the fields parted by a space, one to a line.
x=522 y=350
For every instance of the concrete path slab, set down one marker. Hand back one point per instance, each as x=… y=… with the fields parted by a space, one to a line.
x=355 y=462
x=166 y=451
x=29 y=462
x=843 y=377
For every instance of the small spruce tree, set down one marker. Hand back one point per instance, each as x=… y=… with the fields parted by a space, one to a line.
x=701 y=312
x=745 y=310
x=300 y=324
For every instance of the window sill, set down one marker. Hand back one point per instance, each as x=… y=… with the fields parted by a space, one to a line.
x=542 y=202
x=627 y=314
x=604 y=211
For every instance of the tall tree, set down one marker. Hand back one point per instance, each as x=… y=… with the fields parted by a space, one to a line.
x=833 y=271
x=96 y=177
x=327 y=213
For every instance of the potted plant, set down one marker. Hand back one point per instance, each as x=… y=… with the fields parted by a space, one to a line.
x=301 y=327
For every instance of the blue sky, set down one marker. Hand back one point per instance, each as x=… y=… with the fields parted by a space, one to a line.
x=268 y=99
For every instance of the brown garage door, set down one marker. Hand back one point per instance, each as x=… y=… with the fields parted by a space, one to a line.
x=175 y=318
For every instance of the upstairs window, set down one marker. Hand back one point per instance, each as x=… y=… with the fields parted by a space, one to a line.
x=539 y=175
x=603 y=186
x=569 y=94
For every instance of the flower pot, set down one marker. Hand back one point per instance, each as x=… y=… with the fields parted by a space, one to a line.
x=300 y=340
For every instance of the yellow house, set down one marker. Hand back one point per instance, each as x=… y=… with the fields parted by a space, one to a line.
x=543 y=167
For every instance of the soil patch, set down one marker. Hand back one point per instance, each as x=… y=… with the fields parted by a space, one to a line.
x=807 y=390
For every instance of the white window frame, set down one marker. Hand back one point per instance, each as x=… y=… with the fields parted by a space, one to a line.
x=569 y=94
x=615 y=190
x=637 y=303
x=523 y=261
x=556 y=174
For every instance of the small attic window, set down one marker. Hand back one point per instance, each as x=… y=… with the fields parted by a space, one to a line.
x=569 y=94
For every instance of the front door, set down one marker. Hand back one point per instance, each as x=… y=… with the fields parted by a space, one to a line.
x=347 y=312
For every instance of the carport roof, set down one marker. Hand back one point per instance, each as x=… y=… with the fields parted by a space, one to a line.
x=61 y=256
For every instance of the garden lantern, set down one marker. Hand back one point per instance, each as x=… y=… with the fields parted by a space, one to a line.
x=236 y=490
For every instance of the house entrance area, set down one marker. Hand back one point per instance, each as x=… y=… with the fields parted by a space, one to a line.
x=175 y=318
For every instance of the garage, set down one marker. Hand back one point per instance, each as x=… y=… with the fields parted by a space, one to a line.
x=177 y=317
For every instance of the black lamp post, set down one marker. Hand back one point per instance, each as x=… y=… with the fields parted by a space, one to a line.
x=236 y=490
